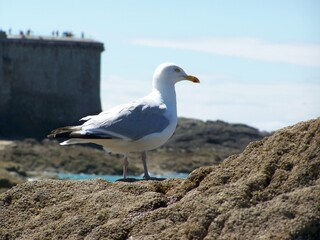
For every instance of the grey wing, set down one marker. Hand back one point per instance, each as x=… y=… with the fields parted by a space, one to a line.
x=132 y=123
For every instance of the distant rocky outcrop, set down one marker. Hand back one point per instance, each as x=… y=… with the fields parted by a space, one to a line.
x=196 y=143
x=269 y=191
x=216 y=136
x=199 y=143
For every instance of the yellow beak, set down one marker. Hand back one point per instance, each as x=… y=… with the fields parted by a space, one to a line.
x=192 y=78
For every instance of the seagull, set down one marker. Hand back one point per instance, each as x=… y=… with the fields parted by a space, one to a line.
x=138 y=126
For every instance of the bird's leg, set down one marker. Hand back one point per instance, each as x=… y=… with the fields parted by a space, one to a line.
x=125 y=166
x=145 y=168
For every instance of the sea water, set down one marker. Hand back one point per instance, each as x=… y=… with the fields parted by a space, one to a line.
x=113 y=178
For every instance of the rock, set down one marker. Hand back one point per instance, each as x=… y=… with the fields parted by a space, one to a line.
x=5 y=143
x=50 y=156
x=193 y=134
x=10 y=175
x=269 y=191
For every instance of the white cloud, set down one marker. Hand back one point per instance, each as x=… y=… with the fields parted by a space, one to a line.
x=301 y=54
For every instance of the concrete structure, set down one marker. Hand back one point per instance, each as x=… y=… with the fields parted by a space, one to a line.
x=47 y=83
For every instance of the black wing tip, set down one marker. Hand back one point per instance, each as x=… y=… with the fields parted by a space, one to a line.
x=54 y=135
x=68 y=132
x=63 y=132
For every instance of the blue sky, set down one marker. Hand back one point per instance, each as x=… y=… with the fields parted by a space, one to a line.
x=258 y=61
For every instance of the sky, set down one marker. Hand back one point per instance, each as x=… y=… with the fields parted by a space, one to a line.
x=258 y=61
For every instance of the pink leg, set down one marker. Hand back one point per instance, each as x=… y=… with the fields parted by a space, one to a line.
x=125 y=166
x=145 y=168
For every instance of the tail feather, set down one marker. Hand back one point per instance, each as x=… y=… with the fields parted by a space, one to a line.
x=74 y=141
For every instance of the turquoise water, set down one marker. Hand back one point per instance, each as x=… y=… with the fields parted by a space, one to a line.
x=113 y=178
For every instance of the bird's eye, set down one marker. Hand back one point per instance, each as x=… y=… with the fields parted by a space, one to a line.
x=177 y=70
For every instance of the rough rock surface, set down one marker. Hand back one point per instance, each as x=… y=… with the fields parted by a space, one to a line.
x=269 y=191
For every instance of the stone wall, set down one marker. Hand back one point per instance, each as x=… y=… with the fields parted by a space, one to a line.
x=47 y=83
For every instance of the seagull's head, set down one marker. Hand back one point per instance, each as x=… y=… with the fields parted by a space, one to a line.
x=170 y=73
